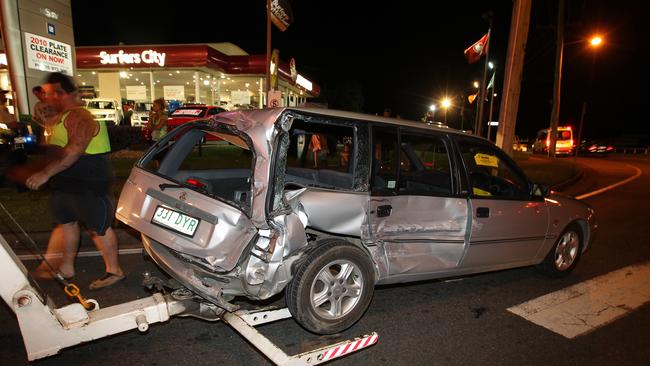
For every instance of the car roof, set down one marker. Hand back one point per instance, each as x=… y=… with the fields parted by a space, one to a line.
x=266 y=119
x=379 y=119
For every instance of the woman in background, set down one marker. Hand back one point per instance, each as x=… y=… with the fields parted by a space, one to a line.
x=158 y=119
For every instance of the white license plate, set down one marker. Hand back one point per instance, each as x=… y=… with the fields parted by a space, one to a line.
x=175 y=220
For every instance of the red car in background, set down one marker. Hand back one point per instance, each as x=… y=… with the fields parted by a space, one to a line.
x=184 y=114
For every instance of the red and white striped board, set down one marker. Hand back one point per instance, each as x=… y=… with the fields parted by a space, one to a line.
x=349 y=347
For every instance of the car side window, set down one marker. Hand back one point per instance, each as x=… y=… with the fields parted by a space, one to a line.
x=424 y=165
x=385 y=160
x=491 y=173
x=321 y=155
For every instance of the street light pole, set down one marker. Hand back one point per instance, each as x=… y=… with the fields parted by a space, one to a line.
x=595 y=42
x=489 y=132
x=582 y=120
x=493 y=81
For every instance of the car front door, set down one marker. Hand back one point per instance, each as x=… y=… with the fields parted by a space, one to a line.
x=413 y=210
x=508 y=226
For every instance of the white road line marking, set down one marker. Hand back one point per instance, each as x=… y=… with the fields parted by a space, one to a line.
x=612 y=186
x=90 y=253
x=588 y=305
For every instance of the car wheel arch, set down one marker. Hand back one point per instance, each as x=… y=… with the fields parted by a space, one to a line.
x=304 y=252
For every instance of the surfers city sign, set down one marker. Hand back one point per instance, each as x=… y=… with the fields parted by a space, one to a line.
x=121 y=57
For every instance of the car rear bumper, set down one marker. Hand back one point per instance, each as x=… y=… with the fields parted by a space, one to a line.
x=206 y=284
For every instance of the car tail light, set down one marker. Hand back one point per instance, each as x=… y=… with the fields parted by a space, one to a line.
x=571 y=142
x=195 y=183
x=610 y=148
x=548 y=143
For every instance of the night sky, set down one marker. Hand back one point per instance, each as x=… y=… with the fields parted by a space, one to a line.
x=405 y=55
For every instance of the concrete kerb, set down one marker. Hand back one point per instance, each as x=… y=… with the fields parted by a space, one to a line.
x=126 y=238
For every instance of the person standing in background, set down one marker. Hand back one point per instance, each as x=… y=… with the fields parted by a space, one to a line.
x=158 y=119
x=319 y=149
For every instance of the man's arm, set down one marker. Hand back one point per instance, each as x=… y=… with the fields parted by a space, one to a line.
x=81 y=128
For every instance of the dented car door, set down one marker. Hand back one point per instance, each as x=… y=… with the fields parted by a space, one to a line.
x=414 y=212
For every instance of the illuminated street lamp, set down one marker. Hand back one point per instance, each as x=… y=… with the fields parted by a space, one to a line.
x=594 y=42
x=446 y=103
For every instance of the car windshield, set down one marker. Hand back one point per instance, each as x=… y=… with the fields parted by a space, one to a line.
x=142 y=107
x=189 y=112
x=216 y=161
x=100 y=104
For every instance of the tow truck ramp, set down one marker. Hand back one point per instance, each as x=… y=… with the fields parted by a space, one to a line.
x=47 y=330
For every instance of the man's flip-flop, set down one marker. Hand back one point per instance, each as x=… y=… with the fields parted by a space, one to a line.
x=106 y=280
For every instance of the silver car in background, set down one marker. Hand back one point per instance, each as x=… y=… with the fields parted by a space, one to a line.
x=326 y=204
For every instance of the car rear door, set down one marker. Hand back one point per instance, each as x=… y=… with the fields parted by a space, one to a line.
x=414 y=211
x=508 y=226
x=193 y=196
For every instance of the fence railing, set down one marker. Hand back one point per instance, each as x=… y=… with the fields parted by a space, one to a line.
x=632 y=150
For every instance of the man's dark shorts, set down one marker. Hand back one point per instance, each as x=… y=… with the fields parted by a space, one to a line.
x=96 y=212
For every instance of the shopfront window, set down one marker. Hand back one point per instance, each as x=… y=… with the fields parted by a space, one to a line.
x=177 y=86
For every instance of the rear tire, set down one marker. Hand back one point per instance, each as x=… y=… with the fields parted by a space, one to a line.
x=564 y=255
x=332 y=287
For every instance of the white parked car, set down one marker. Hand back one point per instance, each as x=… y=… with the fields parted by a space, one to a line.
x=140 y=115
x=107 y=110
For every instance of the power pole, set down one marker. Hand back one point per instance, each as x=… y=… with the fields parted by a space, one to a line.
x=557 y=85
x=512 y=74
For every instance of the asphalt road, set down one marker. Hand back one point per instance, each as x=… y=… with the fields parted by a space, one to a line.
x=458 y=322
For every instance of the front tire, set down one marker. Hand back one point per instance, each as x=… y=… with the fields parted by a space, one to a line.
x=332 y=287
x=564 y=255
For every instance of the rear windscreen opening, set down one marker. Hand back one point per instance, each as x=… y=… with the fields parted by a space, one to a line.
x=217 y=163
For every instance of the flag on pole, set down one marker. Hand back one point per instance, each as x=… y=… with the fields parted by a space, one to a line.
x=281 y=14
x=474 y=52
x=472 y=97
x=491 y=83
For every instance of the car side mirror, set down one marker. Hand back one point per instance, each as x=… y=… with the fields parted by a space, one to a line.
x=539 y=190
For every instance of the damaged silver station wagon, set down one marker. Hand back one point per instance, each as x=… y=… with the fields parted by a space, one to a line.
x=326 y=204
